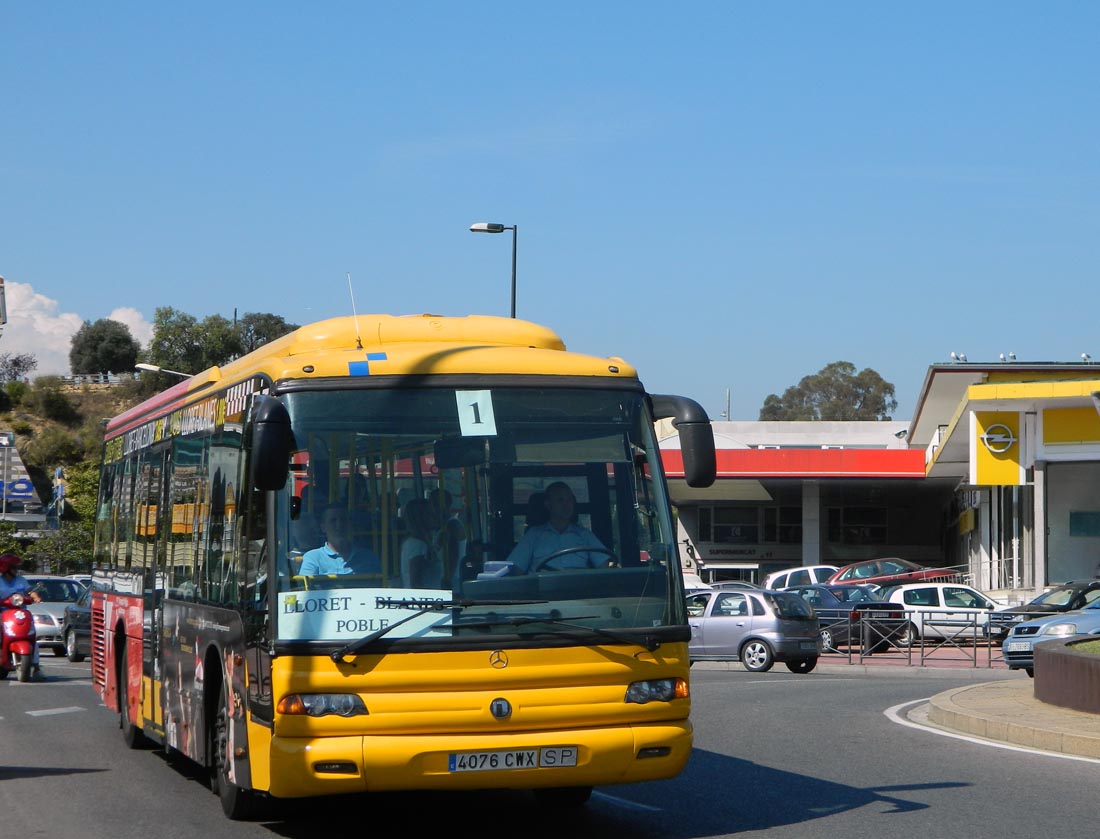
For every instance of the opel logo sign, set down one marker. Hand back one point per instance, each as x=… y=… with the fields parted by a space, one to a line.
x=498 y=659
x=998 y=438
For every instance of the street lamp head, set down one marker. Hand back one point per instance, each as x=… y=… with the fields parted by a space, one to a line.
x=488 y=227
x=152 y=368
x=494 y=227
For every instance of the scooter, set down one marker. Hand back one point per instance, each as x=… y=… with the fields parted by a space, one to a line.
x=17 y=637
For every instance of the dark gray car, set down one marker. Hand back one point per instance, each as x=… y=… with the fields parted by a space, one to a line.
x=757 y=627
x=77 y=626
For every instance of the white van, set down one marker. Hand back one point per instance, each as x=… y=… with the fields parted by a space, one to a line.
x=800 y=575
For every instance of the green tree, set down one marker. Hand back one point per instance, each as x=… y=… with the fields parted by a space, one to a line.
x=176 y=342
x=836 y=392
x=180 y=342
x=10 y=545
x=67 y=550
x=82 y=487
x=105 y=346
x=258 y=328
x=219 y=342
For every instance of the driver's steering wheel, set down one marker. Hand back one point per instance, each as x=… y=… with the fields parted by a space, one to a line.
x=541 y=561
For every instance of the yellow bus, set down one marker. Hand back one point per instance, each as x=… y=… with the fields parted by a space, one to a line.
x=209 y=641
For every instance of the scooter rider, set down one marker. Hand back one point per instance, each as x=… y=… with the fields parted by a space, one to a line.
x=10 y=583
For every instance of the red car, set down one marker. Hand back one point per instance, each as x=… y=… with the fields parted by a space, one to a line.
x=892 y=571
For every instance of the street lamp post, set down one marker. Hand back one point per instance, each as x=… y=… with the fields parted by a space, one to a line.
x=493 y=227
x=152 y=368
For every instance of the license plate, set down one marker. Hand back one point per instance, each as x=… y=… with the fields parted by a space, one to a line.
x=1016 y=647
x=808 y=646
x=551 y=756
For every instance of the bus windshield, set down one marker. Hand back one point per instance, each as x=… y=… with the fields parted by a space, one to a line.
x=434 y=515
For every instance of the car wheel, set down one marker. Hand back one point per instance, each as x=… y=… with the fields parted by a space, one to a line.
x=802 y=665
x=757 y=656
x=908 y=636
x=828 y=642
x=70 y=647
x=1030 y=671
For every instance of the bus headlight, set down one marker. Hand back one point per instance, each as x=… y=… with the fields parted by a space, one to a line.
x=657 y=690
x=322 y=704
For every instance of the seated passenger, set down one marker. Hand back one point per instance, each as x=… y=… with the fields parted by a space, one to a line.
x=339 y=555
x=421 y=564
x=558 y=534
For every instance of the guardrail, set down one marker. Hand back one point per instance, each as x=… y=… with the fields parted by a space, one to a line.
x=962 y=639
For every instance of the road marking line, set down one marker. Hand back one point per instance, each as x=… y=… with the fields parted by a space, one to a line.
x=623 y=802
x=50 y=711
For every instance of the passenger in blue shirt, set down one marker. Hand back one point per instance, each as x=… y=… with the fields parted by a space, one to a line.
x=559 y=533
x=339 y=555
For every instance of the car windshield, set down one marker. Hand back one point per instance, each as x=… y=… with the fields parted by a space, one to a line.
x=788 y=605
x=57 y=591
x=1054 y=597
x=853 y=595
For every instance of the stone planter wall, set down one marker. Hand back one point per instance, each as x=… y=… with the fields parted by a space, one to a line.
x=1067 y=678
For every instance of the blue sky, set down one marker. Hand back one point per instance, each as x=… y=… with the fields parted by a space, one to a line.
x=727 y=195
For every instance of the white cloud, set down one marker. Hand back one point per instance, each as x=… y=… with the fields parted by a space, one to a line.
x=140 y=328
x=36 y=326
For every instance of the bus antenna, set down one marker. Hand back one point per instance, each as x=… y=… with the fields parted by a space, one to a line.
x=354 y=314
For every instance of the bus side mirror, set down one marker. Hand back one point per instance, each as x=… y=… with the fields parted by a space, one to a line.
x=696 y=436
x=272 y=443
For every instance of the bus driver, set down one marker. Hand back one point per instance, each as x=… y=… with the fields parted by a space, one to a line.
x=558 y=534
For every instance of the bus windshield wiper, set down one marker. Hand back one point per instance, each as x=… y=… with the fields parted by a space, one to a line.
x=647 y=641
x=421 y=608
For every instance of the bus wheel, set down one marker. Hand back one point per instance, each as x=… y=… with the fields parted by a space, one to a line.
x=563 y=796
x=132 y=735
x=237 y=803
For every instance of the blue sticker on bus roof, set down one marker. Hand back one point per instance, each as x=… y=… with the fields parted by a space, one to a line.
x=362 y=368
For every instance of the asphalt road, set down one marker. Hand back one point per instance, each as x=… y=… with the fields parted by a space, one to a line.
x=777 y=753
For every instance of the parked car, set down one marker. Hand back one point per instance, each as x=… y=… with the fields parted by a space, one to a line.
x=802 y=575
x=84 y=579
x=950 y=611
x=734 y=584
x=1018 y=649
x=56 y=593
x=846 y=612
x=757 y=627
x=1064 y=597
x=892 y=571
x=76 y=627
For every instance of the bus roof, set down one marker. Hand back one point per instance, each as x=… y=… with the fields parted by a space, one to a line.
x=379 y=345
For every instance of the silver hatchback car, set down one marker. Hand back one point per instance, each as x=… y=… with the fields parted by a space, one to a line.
x=757 y=627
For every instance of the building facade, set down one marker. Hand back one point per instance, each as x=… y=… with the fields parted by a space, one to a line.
x=996 y=475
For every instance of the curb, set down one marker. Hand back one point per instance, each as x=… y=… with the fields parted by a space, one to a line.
x=1007 y=712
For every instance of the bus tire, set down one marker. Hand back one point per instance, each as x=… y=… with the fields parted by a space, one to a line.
x=132 y=735
x=238 y=804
